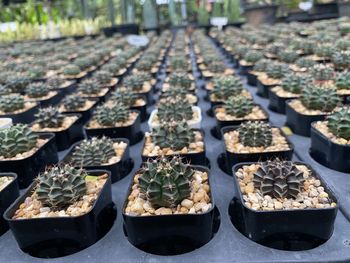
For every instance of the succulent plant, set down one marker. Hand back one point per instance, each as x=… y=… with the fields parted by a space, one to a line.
x=288 y=56
x=174 y=110
x=126 y=97
x=103 y=77
x=17 y=82
x=166 y=182
x=180 y=79
x=36 y=72
x=261 y=65
x=239 y=106
x=324 y=50
x=49 y=117
x=278 y=178
x=4 y=90
x=60 y=186
x=342 y=80
x=73 y=102
x=305 y=62
x=322 y=72
x=134 y=82
x=54 y=82
x=37 y=90
x=71 y=70
x=108 y=116
x=144 y=65
x=295 y=83
x=217 y=67
x=90 y=87
x=175 y=136
x=16 y=139
x=319 y=98
x=255 y=134
x=96 y=151
x=253 y=56
x=226 y=86
x=175 y=93
x=339 y=123
x=11 y=103
x=341 y=59
x=179 y=63
x=342 y=44
x=83 y=62
x=277 y=70
x=112 y=68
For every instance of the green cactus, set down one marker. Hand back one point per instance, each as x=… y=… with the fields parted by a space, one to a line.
x=166 y=182
x=342 y=44
x=71 y=70
x=253 y=56
x=15 y=140
x=37 y=90
x=134 y=82
x=175 y=93
x=255 y=134
x=179 y=63
x=261 y=65
x=60 y=186
x=287 y=56
x=103 y=77
x=174 y=110
x=342 y=80
x=319 y=98
x=226 y=86
x=73 y=102
x=4 y=90
x=93 y=152
x=125 y=97
x=108 y=116
x=305 y=63
x=175 y=136
x=277 y=70
x=180 y=79
x=54 y=82
x=217 y=67
x=295 y=83
x=341 y=59
x=83 y=62
x=17 y=82
x=49 y=117
x=280 y=179
x=339 y=123
x=90 y=87
x=322 y=72
x=239 y=106
x=324 y=50
x=11 y=103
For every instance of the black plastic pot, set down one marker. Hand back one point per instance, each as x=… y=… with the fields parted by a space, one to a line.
x=28 y=168
x=192 y=158
x=86 y=114
x=124 y=29
x=132 y=132
x=299 y=123
x=263 y=90
x=118 y=170
x=23 y=117
x=170 y=234
x=74 y=133
x=235 y=158
x=252 y=79
x=62 y=92
x=50 y=101
x=60 y=236
x=7 y=196
x=296 y=229
x=142 y=110
x=277 y=103
x=243 y=70
x=333 y=155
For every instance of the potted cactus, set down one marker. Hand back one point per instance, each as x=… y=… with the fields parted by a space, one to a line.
x=39 y=92
x=314 y=104
x=179 y=63
x=302 y=64
x=175 y=138
x=322 y=74
x=291 y=87
x=66 y=127
x=116 y=121
x=61 y=85
x=291 y=196
x=105 y=79
x=26 y=153
x=101 y=153
x=178 y=93
x=91 y=88
x=15 y=107
x=249 y=60
x=73 y=72
x=140 y=83
x=258 y=69
x=216 y=68
x=254 y=141
x=341 y=60
x=342 y=84
x=287 y=56
x=179 y=79
x=80 y=198
x=330 y=140
x=175 y=110
x=180 y=216
x=236 y=110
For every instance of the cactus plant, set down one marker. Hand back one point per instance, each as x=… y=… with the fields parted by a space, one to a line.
x=175 y=136
x=295 y=83
x=253 y=56
x=239 y=106
x=180 y=79
x=103 y=77
x=108 y=116
x=278 y=178
x=305 y=62
x=277 y=70
x=17 y=82
x=49 y=117
x=96 y=151
x=73 y=102
x=4 y=90
x=16 y=139
x=135 y=82
x=226 y=86
x=71 y=70
x=255 y=134
x=179 y=63
x=166 y=182
x=126 y=97
x=288 y=56
x=90 y=87
x=217 y=67
x=339 y=123
x=174 y=110
x=319 y=98
x=322 y=72
x=342 y=80
x=261 y=65
x=60 y=186
x=37 y=90
x=341 y=59
x=324 y=50
x=11 y=103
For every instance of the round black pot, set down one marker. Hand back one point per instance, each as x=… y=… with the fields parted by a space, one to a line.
x=235 y=158
x=297 y=229
x=7 y=196
x=86 y=114
x=28 y=168
x=252 y=79
x=276 y=103
x=299 y=123
x=333 y=155
x=171 y=234
x=132 y=132
x=118 y=170
x=263 y=90
x=60 y=236
x=23 y=117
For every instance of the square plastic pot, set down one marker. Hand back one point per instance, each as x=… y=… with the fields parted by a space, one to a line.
x=328 y=153
x=7 y=196
x=28 y=168
x=263 y=90
x=252 y=79
x=243 y=70
x=163 y=234
x=132 y=132
x=50 y=101
x=235 y=158
x=300 y=123
x=142 y=110
x=74 y=133
x=296 y=229
x=23 y=117
x=277 y=103
x=117 y=170
x=66 y=90
x=59 y=236
x=85 y=114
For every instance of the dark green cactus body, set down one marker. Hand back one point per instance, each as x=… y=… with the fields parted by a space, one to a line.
x=90 y=87
x=295 y=83
x=277 y=70
x=126 y=97
x=49 y=117
x=103 y=77
x=37 y=90
x=318 y=98
x=71 y=70
x=342 y=80
x=166 y=183
x=305 y=63
x=253 y=56
x=339 y=123
x=226 y=86
x=238 y=106
x=322 y=72
x=11 y=103
x=217 y=67
x=180 y=79
x=73 y=102
x=341 y=60
x=255 y=134
x=173 y=110
x=107 y=115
